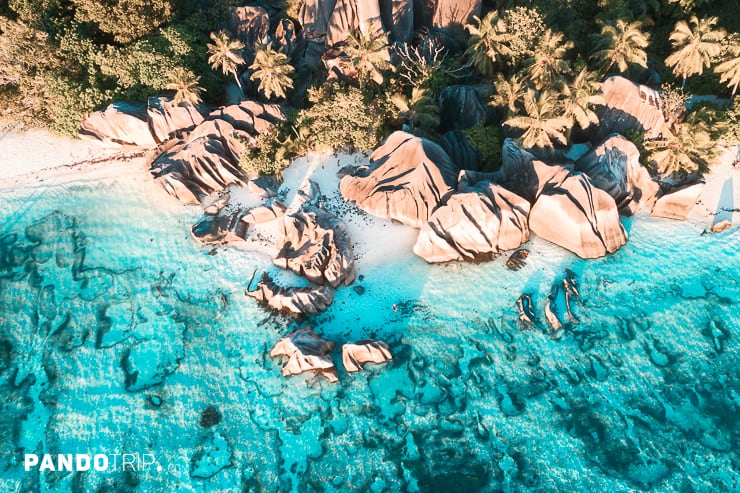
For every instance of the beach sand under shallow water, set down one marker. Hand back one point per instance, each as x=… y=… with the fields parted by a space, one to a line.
x=640 y=392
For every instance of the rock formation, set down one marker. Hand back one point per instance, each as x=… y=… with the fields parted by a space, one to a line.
x=678 y=204
x=398 y=19
x=314 y=17
x=461 y=107
x=351 y=15
x=205 y=162
x=452 y=15
x=315 y=245
x=408 y=178
x=249 y=24
x=250 y=116
x=614 y=166
x=477 y=221
x=221 y=229
x=292 y=300
x=629 y=106
x=306 y=351
x=168 y=120
x=120 y=124
x=354 y=355
x=576 y=215
x=524 y=174
x=265 y=213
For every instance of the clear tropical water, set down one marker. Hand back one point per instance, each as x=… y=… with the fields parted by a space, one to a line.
x=117 y=332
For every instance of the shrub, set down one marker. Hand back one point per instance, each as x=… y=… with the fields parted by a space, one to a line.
x=269 y=155
x=488 y=140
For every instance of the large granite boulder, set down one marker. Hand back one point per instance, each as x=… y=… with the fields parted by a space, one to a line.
x=614 y=166
x=250 y=116
x=408 y=178
x=475 y=223
x=291 y=300
x=398 y=19
x=629 y=106
x=456 y=146
x=453 y=15
x=120 y=124
x=315 y=244
x=524 y=174
x=678 y=204
x=289 y=37
x=306 y=351
x=204 y=163
x=577 y=216
x=221 y=229
x=314 y=17
x=249 y=24
x=353 y=15
x=168 y=120
x=462 y=107
x=354 y=355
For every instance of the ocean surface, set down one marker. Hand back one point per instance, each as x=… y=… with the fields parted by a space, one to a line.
x=120 y=335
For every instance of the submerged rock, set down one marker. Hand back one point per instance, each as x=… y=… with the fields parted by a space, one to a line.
x=120 y=124
x=292 y=300
x=629 y=106
x=517 y=259
x=408 y=178
x=306 y=351
x=579 y=217
x=614 y=166
x=211 y=456
x=315 y=245
x=353 y=355
x=476 y=222
x=678 y=204
x=204 y=163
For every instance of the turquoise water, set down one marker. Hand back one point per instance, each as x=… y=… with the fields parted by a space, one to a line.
x=117 y=332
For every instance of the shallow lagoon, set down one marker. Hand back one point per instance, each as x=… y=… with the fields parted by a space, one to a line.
x=117 y=331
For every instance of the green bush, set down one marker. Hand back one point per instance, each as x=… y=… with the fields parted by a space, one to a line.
x=488 y=140
x=730 y=119
x=269 y=156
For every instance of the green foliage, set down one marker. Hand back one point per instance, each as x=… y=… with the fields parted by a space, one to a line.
x=340 y=119
x=225 y=54
x=273 y=71
x=124 y=20
x=548 y=62
x=267 y=156
x=488 y=141
x=685 y=149
x=729 y=69
x=185 y=84
x=619 y=45
x=542 y=122
x=730 y=119
x=417 y=111
x=695 y=46
x=370 y=56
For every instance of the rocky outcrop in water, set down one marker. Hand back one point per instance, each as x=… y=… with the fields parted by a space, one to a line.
x=614 y=166
x=205 y=162
x=476 y=222
x=120 y=124
x=315 y=245
x=291 y=300
x=629 y=106
x=408 y=178
x=306 y=351
x=221 y=229
x=578 y=216
x=354 y=355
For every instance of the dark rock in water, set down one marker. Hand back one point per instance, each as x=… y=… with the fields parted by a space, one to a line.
x=210 y=417
x=148 y=363
x=221 y=229
x=456 y=145
x=517 y=259
x=359 y=289
x=629 y=106
x=316 y=245
x=120 y=124
x=155 y=400
x=168 y=120
x=570 y=289
x=398 y=19
x=462 y=107
x=476 y=222
x=306 y=351
x=249 y=24
x=291 y=300
x=408 y=178
x=614 y=166
x=204 y=163
x=210 y=457
x=354 y=355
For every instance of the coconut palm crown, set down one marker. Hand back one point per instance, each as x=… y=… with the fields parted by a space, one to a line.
x=543 y=124
x=696 y=44
x=489 y=43
x=225 y=54
x=273 y=70
x=185 y=84
x=369 y=54
x=548 y=61
x=729 y=70
x=619 y=45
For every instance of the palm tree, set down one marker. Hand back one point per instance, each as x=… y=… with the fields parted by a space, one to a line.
x=684 y=149
x=419 y=111
x=579 y=96
x=694 y=48
x=489 y=43
x=620 y=44
x=369 y=54
x=273 y=70
x=548 y=61
x=226 y=55
x=509 y=93
x=185 y=84
x=729 y=70
x=543 y=126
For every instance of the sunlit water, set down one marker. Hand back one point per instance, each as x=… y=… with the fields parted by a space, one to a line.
x=117 y=331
